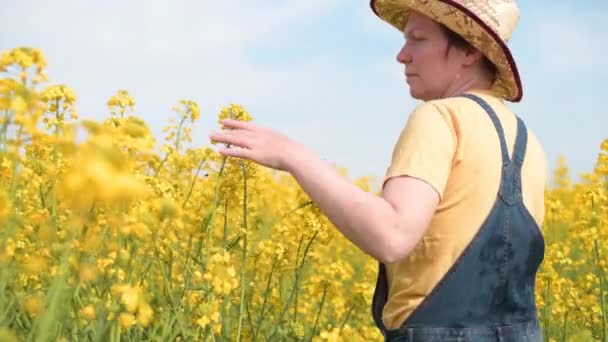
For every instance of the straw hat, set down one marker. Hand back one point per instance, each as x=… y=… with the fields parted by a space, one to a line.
x=486 y=24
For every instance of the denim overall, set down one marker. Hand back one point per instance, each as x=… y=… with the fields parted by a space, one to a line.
x=488 y=294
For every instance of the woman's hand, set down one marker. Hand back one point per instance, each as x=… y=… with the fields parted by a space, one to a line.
x=258 y=144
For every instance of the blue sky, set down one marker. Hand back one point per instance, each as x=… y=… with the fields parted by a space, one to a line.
x=321 y=71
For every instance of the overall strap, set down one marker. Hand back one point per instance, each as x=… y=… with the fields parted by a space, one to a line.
x=521 y=143
x=510 y=187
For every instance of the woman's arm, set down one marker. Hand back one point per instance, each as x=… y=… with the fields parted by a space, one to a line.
x=386 y=227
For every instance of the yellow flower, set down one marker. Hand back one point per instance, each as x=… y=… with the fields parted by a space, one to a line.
x=5 y=206
x=57 y=93
x=33 y=306
x=88 y=312
x=88 y=273
x=131 y=297
x=332 y=335
x=23 y=57
x=234 y=111
x=203 y=321
x=144 y=314
x=221 y=274
x=18 y=105
x=120 y=102
x=35 y=264
x=100 y=172
x=188 y=110
x=140 y=230
x=604 y=146
x=126 y=320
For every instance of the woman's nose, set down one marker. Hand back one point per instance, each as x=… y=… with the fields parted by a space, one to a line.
x=404 y=57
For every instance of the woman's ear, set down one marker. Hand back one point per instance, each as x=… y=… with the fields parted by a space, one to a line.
x=472 y=56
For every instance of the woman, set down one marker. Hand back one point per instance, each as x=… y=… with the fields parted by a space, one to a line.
x=456 y=229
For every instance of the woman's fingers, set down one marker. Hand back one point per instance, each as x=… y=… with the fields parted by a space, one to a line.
x=237 y=152
x=237 y=124
x=233 y=137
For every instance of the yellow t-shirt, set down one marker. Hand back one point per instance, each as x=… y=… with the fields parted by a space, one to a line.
x=452 y=144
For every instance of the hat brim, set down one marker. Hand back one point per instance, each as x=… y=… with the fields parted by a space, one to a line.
x=469 y=26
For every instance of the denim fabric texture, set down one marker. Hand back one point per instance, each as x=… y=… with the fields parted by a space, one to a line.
x=488 y=294
x=521 y=332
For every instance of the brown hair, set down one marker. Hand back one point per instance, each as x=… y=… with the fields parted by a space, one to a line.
x=455 y=40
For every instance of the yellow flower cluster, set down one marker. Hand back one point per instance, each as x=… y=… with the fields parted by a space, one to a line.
x=572 y=288
x=234 y=111
x=108 y=239
x=132 y=298
x=22 y=58
x=60 y=100
x=189 y=110
x=120 y=102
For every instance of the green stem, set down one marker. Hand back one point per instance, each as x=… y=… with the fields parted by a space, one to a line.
x=297 y=280
x=243 y=256
x=581 y=309
x=546 y=309
x=301 y=266
x=57 y=117
x=565 y=327
x=160 y=165
x=304 y=205
x=168 y=290
x=7 y=120
x=41 y=194
x=602 y=289
x=346 y=318
x=266 y=294
x=179 y=133
x=43 y=326
x=295 y=289
x=314 y=328
x=200 y=166
x=216 y=201
x=247 y=308
x=308 y=247
x=601 y=278
x=225 y=223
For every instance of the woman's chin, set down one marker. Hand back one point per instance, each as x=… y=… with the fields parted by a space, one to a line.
x=416 y=93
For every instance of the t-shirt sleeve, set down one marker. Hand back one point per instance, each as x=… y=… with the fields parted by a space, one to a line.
x=426 y=147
